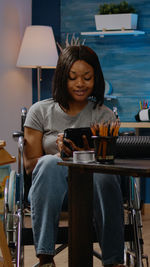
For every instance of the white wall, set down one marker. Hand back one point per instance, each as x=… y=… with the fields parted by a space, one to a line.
x=15 y=83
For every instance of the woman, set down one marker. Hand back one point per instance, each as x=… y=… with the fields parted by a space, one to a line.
x=78 y=76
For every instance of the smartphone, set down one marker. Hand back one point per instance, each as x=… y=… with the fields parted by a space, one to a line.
x=75 y=135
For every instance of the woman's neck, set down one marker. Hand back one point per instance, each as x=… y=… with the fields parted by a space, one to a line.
x=75 y=108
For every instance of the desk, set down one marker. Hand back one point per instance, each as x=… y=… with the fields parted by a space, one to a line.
x=136 y=125
x=6 y=261
x=5 y=157
x=80 y=203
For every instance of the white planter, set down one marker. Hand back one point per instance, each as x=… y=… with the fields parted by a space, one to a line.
x=116 y=21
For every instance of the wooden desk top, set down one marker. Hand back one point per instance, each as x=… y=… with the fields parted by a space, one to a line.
x=133 y=167
x=2 y=143
x=135 y=125
x=5 y=157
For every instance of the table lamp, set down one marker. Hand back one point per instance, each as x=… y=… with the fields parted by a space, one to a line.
x=38 y=50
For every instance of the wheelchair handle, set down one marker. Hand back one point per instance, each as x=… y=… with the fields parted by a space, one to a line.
x=23 y=117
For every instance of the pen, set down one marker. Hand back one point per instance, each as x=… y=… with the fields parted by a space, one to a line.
x=140 y=105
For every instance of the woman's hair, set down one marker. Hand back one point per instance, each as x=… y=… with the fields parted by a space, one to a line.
x=66 y=59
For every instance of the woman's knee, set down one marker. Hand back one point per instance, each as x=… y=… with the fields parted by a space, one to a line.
x=45 y=163
x=48 y=161
x=48 y=172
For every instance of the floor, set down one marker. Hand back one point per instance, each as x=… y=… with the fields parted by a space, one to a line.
x=61 y=259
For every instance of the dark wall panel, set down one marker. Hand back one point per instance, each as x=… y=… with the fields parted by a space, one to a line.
x=125 y=60
x=47 y=13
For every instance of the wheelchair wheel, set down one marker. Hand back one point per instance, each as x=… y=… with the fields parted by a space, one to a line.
x=10 y=216
x=5 y=204
x=12 y=193
x=9 y=204
x=134 y=248
x=11 y=207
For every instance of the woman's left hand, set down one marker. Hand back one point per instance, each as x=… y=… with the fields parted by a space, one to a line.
x=72 y=146
x=76 y=148
x=68 y=146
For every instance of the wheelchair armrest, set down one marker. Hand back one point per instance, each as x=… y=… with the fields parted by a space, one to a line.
x=19 y=137
x=17 y=134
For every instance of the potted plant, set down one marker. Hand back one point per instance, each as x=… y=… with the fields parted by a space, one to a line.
x=116 y=17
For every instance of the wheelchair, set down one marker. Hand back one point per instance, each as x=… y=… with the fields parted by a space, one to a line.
x=16 y=205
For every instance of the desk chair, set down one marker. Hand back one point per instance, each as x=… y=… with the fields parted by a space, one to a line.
x=16 y=205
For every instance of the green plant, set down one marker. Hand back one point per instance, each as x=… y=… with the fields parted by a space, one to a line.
x=111 y=8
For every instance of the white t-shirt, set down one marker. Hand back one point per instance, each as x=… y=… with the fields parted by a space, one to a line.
x=47 y=116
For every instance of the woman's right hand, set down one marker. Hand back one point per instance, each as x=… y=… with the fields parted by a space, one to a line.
x=59 y=142
x=63 y=145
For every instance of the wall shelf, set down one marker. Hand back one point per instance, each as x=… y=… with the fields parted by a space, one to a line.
x=110 y=97
x=113 y=33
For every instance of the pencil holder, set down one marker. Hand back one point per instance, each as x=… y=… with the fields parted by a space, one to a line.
x=105 y=148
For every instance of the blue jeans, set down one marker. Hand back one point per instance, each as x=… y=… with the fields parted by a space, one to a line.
x=47 y=193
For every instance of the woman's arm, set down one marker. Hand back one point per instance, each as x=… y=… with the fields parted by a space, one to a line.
x=32 y=148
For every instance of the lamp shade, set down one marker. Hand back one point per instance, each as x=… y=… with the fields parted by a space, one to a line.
x=38 y=48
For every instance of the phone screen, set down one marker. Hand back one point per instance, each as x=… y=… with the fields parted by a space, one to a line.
x=75 y=135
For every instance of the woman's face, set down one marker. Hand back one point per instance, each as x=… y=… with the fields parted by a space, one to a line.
x=80 y=81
